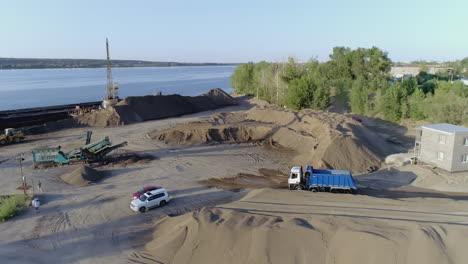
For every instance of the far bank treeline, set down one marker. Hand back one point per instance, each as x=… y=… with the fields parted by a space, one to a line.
x=357 y=79
x=18 y=63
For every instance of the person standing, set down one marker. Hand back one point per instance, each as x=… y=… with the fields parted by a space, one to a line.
x=36 y=203
x=39 y=185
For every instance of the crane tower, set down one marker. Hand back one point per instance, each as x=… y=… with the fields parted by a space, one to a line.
x=111 y=97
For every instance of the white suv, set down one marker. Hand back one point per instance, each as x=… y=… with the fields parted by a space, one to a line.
x=149 y=200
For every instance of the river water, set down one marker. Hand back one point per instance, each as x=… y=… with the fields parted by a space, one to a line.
x=45 y=87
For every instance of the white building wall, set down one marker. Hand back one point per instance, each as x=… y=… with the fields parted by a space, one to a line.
x=459 y=149
x=430 y=146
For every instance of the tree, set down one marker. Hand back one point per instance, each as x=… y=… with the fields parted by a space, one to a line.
x=242 y=80
x=446 y=108
x=359 y=96
x=422 y=66
x=291 y=71
x=409 y=84
x=392 y=103
x=416 y=103
x=300 y=93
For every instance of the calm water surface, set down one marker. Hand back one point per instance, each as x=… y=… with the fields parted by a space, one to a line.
x=45 y=87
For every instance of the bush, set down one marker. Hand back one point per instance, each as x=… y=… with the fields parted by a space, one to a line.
x=9 y=206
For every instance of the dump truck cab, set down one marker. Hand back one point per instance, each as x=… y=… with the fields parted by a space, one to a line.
x=296 y=179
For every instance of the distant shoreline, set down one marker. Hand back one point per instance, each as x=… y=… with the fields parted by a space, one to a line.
x=27 y=64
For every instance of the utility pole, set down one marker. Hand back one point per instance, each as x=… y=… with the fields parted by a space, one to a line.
x=22 y=175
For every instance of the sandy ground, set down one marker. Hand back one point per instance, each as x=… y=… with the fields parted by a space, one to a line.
x=206 y=224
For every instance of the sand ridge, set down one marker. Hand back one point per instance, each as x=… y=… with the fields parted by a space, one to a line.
x=299 y=229
x=325 y=140
x=134 y=109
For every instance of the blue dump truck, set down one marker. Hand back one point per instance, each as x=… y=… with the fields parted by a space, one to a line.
x=339 y=181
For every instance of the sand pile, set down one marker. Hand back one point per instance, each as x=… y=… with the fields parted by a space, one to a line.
x=267 y=179
x=322 y=139
x=126 y=159
x=136 y=109
x=438 y=179
x=82 y=175
x=258 y=230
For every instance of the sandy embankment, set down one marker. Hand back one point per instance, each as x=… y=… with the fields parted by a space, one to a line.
x=136 y=109
x=279 y=226
x=324 y=139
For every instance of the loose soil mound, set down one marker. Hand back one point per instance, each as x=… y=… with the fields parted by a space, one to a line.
x=123 y=160
x=323 y=139
x=268 y=179
x=136 y=109
x=258 y=229
x=82 y=175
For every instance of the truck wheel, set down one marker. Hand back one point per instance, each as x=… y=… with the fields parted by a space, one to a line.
x=314 y=190
x=162 y=203
x=2 y=142
x=142 y=209
x=298 y=188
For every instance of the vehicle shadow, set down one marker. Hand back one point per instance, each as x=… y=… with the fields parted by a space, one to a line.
x=411 y=192
x=385 y=179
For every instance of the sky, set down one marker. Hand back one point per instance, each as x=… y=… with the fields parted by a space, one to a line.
x=232 y=31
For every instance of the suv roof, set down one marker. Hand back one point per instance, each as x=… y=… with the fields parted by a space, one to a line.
x=153 y=192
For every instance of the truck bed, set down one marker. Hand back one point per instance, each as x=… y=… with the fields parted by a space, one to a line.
x=339 y=179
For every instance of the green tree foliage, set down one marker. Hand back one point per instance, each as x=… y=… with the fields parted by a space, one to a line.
x=359 y=79
x=300 y=93
x=359 y=96
x=392 y=103
x=429 y=86
x=243 y=78
x=409 y=84
x=422 y=66
x=460 y=67
x=352 y=64
x=446 y=105
x=292 y=71
x=416 y=104
x=310 y=90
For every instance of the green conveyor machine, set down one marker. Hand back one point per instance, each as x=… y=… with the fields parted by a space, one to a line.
x=91 y=152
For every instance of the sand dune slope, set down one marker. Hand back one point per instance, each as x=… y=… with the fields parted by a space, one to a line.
x=326 y=140
x=254 y=231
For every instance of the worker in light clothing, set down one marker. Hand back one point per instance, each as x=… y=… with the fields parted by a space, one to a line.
x=36 y=203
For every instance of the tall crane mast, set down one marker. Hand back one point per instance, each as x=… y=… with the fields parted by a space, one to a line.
x=111 y=97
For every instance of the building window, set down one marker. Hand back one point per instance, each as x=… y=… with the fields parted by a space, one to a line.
x=442 y=139
x=465 y=158
x=466 y=142
x=440 y=155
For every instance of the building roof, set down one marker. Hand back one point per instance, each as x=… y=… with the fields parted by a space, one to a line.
x=448 y=128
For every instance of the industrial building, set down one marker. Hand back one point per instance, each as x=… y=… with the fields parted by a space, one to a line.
x=443 y=145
